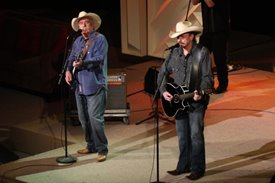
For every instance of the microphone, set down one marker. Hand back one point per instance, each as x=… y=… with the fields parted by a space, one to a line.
x=78 y=33
x=172 y=47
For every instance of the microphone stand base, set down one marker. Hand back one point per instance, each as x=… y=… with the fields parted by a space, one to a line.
x=66 y=159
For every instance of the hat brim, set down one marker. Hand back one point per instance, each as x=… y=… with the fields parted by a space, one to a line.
x=195 y=29
x=95 y=17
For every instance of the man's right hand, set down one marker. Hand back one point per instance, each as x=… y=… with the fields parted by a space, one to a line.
x=167 y=96
x=68 y=77
x=209 y=3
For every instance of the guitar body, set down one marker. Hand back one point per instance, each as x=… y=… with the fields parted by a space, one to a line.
x=173 y=107
x=181 y=98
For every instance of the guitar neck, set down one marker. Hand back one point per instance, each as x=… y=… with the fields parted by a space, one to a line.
x=79 y=58
x=186 y=96
x=190 y=95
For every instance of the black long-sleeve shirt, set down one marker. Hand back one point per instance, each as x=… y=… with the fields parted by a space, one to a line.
x=179 y=67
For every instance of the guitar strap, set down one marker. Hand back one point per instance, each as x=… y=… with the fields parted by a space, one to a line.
x=84 y=50
x=195 y=73
x=87 y=44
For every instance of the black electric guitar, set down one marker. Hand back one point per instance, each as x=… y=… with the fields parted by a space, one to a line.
x=181 y=98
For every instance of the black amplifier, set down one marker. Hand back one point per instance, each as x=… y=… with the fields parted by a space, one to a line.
x=116 y=105
x=116 y=93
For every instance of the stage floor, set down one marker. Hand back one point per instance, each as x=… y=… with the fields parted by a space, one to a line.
x=239 y=135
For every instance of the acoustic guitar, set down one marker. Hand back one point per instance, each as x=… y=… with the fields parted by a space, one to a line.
x=180 y=100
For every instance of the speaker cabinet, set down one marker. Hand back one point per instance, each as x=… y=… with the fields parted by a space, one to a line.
x=116 y=104
x=150 y=80
x=116 y=93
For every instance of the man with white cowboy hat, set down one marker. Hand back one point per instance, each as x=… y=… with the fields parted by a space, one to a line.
x=184 y=27
x=87 y=73
x=95 y=18
x=190 y=67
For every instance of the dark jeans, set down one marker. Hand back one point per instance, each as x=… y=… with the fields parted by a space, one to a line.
x=91 y=116
x=190 y=127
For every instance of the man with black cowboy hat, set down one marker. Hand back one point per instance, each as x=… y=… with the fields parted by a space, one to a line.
x=87 y=70
x=190 y=66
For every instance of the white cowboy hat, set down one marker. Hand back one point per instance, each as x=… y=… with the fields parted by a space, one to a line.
x=82 y=14
x=184 y=27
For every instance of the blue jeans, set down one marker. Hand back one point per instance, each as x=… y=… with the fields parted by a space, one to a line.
x=190 y=127
x=91 y=110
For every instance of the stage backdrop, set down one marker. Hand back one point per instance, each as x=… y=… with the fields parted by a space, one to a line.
x=145 y=25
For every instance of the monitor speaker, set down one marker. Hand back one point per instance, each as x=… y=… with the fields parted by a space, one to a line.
x=150 y=80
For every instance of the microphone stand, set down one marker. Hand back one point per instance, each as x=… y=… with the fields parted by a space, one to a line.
x=66 y=158
x=188 y=7
x=155 y=103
